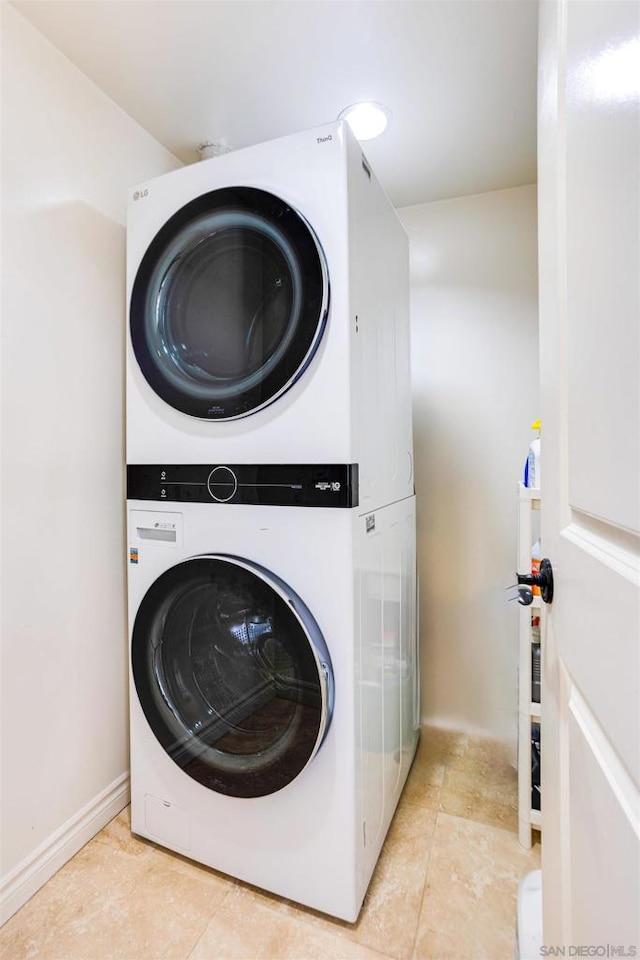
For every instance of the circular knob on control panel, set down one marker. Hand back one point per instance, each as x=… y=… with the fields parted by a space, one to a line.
x=222 y=484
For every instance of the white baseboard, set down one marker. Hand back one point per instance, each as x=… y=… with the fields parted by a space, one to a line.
x=34 y=871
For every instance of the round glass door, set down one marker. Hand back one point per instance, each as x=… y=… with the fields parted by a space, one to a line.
x=233 y=675
x=229 y=304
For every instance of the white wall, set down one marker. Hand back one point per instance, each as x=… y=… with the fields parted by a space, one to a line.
x=475 y=382
x=69 y=153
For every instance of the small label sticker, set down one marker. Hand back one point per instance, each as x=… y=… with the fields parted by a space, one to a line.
x=133 y=555
x=370 y=522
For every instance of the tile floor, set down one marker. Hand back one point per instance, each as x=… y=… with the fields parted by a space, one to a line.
x=444 y=888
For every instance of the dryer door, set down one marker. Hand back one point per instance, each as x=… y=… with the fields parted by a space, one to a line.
x=233 y=674
x=229 y=304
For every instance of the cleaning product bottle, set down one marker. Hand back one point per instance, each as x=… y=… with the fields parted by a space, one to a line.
x=536 y=556
x=532 y=466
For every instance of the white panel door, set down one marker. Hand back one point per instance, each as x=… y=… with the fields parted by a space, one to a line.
x=589 y=196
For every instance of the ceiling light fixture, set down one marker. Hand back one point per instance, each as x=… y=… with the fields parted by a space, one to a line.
x=367 y=119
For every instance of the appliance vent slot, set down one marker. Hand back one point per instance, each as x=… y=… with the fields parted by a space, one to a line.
x=366 y=168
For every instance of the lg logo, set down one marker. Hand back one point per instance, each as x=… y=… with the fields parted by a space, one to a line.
x=140 y=194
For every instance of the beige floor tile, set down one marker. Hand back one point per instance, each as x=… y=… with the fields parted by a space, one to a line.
x=469 y=905
x=167 y=914
x=410 y=824
x=434 y=945
x=391 y=908
x=465 y=776
x=248 y=927
x=441 y=745
x=484 y=757
x=117 y=835
x=486 y=799
x=106 y=903
x=425 y=779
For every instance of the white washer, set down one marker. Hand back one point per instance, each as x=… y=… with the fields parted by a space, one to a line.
x=268 y=314
x=274 y=710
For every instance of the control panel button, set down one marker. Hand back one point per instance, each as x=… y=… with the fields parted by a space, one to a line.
x=222 y=484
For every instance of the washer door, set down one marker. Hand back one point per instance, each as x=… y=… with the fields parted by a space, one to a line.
x=233 y=675
x=229 y=304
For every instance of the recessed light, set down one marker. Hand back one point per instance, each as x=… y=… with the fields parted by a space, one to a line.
x=367 y=119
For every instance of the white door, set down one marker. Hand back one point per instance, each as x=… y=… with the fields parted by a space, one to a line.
x=589 y=183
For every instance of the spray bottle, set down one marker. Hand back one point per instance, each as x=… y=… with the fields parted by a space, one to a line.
x=532 y=466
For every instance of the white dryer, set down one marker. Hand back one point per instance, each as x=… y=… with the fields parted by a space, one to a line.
x=268 y=314
x=274 y=709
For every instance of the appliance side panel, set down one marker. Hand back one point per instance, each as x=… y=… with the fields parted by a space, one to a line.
x=369 y=691
x=386 y=678
x=379 y=298
x=410 y=637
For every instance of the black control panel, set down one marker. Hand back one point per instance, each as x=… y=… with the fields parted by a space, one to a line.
x=285 y=485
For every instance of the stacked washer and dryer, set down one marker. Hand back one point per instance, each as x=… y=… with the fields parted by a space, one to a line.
x=271 y=516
